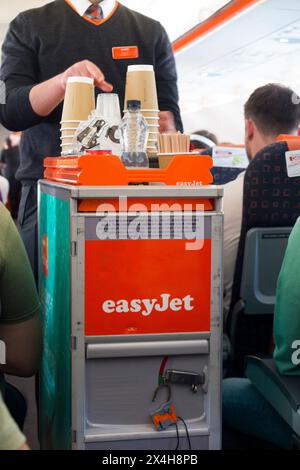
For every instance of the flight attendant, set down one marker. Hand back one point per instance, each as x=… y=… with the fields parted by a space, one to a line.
x=44 y=47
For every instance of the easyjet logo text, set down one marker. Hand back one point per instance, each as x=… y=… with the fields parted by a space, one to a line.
x=147 y=306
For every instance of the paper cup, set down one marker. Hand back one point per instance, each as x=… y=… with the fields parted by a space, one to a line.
x=108 y=106
x=67 y=144
x=141 y=85
x=69 y=125
x=64 y=145
x=153 y=116
x=79 y=99
x=67 y=153
x=68 y=133
x=152 y=144
x=67 y=140
x=149 y=113
x=69 y=130
x=152 y=124
x=153 y=135
x=75 y=121
x=67 y=147
x=152 y=153
x=166 y=158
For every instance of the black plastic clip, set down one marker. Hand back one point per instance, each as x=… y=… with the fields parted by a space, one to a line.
x=180 y=377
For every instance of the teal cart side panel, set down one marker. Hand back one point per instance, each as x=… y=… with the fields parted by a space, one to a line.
x=55 y=377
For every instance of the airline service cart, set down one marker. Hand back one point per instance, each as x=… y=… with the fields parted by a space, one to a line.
x=131 y=289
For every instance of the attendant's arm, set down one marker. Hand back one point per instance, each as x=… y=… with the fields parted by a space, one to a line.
x=46 y=96
x=27 y=101
x=166 y=122
x=287 y=311
x=19 y=74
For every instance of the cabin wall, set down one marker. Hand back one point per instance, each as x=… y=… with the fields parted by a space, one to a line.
x=224 y=120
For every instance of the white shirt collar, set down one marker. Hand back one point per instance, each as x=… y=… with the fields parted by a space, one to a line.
x=82 y=5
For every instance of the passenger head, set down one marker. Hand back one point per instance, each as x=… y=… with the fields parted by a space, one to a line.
x=271 y=110
x=203 y=140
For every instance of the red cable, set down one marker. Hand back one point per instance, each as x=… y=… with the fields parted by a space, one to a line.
x=162 y=367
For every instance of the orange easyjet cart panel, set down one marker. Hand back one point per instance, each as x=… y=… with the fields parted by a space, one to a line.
x=131 y=278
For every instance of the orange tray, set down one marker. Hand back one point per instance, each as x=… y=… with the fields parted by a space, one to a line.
x=104 y=170
x=293 y=141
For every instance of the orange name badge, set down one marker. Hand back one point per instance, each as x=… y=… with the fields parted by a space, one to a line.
x=125 y=52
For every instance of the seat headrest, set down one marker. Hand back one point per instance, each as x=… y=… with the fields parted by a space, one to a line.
x=293 y=141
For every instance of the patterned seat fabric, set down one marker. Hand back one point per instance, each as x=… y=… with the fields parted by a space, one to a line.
x=225 y=175
x=271 y=199
x=222 y=175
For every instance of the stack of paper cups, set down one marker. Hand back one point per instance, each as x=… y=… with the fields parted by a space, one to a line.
x=141 y=85
x=108 y=107
x=78 y=104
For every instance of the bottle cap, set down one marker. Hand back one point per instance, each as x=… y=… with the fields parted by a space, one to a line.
x=133 y=105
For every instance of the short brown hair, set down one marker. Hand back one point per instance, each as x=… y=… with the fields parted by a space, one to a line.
x=274 y=108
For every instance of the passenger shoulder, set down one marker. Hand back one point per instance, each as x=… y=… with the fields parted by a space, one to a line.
x=5 y=218
x=5 y=225
x=294 y=239
x=233 y=193
x=237 y=182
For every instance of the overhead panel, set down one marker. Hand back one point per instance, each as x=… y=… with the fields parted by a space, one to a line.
x=262 y=45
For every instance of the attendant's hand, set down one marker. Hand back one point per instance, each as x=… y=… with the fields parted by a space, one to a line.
x=86 y=69
x=166 y=122
x=46 y=96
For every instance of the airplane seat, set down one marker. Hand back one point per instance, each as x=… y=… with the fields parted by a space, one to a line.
x=225 y=175
x=271 y=206
x=222 y=175
x=282 y=392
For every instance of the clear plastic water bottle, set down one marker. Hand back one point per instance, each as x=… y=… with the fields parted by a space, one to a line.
x=134 y=136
